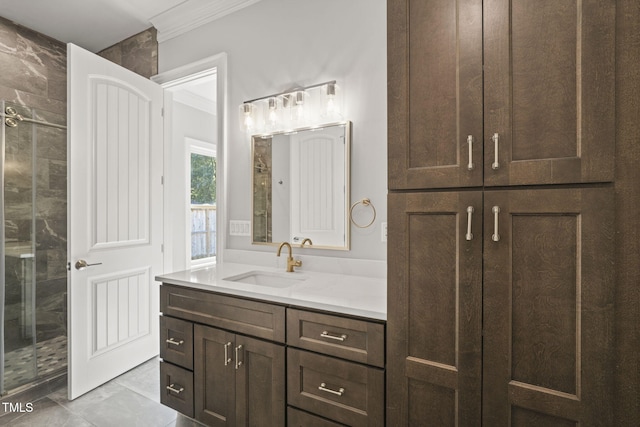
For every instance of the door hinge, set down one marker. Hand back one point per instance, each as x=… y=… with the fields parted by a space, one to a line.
x=162 y=248
x=162 y=180
x=162 y=111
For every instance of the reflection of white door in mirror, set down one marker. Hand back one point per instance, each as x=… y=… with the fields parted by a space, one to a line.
x=301 y=187
x=318 y=187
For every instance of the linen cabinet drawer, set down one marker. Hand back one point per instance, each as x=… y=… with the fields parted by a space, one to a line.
x=253 y=318
x=297 y=418
x=351 y=339
x=343 y=391
x=176 y=388
x=176 y=341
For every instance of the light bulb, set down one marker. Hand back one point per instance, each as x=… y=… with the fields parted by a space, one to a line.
x=273 y=112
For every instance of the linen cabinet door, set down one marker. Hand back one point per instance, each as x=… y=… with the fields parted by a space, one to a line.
x=434 y=93
x=549 y=91
x=214 y=376
x=434 y=309
x=548 y=308
x=260 y=383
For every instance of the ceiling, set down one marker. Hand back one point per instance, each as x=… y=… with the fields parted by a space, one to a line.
x=98 y=24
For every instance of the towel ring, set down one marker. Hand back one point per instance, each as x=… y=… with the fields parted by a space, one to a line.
x=364 y=202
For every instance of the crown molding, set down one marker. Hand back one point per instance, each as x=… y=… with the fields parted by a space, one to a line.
x=191 y=14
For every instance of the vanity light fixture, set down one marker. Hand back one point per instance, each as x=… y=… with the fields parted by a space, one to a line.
x=291 y=109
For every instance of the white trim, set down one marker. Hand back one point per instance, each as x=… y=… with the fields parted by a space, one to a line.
x=216 y=64
x=192 y=14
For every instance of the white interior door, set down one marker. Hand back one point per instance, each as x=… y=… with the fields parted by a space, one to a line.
x=318 y=185
x=115 y=219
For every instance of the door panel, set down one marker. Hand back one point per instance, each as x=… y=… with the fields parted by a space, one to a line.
x=260 y=383
x=115 y=219
x=548 y=295
x=214 y=376
x=435 y=93
x=549 y=91
x=434 y=318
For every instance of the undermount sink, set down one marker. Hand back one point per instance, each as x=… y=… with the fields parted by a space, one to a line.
x=265 y=278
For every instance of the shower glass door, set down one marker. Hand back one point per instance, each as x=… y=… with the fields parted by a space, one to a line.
x=33 y=251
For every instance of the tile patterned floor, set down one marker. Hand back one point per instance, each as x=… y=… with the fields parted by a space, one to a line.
x=132 y=399
x=19 y=367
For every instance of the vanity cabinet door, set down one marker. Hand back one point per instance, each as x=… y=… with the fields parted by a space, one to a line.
x=549 y=284
x=260 y=383
x=239 y=381
x=434 y=91
x=434 y=317
x=214 y=377
x=549 y=91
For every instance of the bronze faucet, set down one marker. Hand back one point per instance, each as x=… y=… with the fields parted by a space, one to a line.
x=290 y=261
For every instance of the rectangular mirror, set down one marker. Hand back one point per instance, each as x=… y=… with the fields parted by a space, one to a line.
x=301 y=187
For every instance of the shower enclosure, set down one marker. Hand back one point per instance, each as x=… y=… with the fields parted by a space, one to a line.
x=33 y=246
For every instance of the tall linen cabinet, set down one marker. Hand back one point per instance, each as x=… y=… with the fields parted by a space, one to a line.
x=503 y=189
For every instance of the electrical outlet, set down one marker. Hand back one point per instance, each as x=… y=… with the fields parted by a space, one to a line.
x=240 y=228
x=384 y=232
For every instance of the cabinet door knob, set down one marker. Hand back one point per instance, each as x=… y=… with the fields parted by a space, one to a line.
x=470 y=165
x=327 y=334
x=469 y=235
x=495 y=164
x=227 y=359
x=238 y=361
x=172 y=341
x=323 y=387
x=172 y=388
x=496 y=236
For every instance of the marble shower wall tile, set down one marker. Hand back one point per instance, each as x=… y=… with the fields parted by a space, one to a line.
x=33 y=68
x=138 y=53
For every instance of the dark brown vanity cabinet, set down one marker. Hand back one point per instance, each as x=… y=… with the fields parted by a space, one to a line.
x=500 y=92
x=500 y=308
x=335 y=370
x=211 y=370
x=227 y=361
x=239 y=381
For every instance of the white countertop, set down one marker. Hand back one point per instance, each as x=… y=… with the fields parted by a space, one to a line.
x=338 y=293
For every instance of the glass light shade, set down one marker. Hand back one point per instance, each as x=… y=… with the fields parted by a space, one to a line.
x=247 y=117
x=299 y=108
x=331 y=102
x=273 y=114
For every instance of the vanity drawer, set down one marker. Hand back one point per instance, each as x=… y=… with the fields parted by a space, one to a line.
x=176 y=388
x=346 y=392
x=351 y=339
x=254 y=318
x=176 y=341
x=297 y=418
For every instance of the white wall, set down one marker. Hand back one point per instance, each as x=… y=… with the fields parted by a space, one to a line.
x=274 y=45
x=187 y=122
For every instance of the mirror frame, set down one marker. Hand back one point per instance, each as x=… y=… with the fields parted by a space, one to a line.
x=347 y=170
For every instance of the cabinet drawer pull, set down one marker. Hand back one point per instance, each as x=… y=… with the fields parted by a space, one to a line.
x=495 y=164
x=323 y=387
x=496 y=236
x=175 y=390
x=470 y=166
x=227 y=359
x=238 y=361
x=469 y=235
x=326 y=334
x=174 y=342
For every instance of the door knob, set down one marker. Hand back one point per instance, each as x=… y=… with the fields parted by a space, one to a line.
x=82 y=264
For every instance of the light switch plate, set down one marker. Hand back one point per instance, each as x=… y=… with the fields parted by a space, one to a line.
x=240 y=228
x=384 y=232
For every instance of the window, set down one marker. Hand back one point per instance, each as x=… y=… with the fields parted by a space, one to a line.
x=203 y=203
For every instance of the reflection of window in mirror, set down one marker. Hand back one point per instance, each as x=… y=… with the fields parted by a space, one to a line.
x=203 y=202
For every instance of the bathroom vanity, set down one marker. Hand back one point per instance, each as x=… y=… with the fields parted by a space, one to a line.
x=257 y=346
